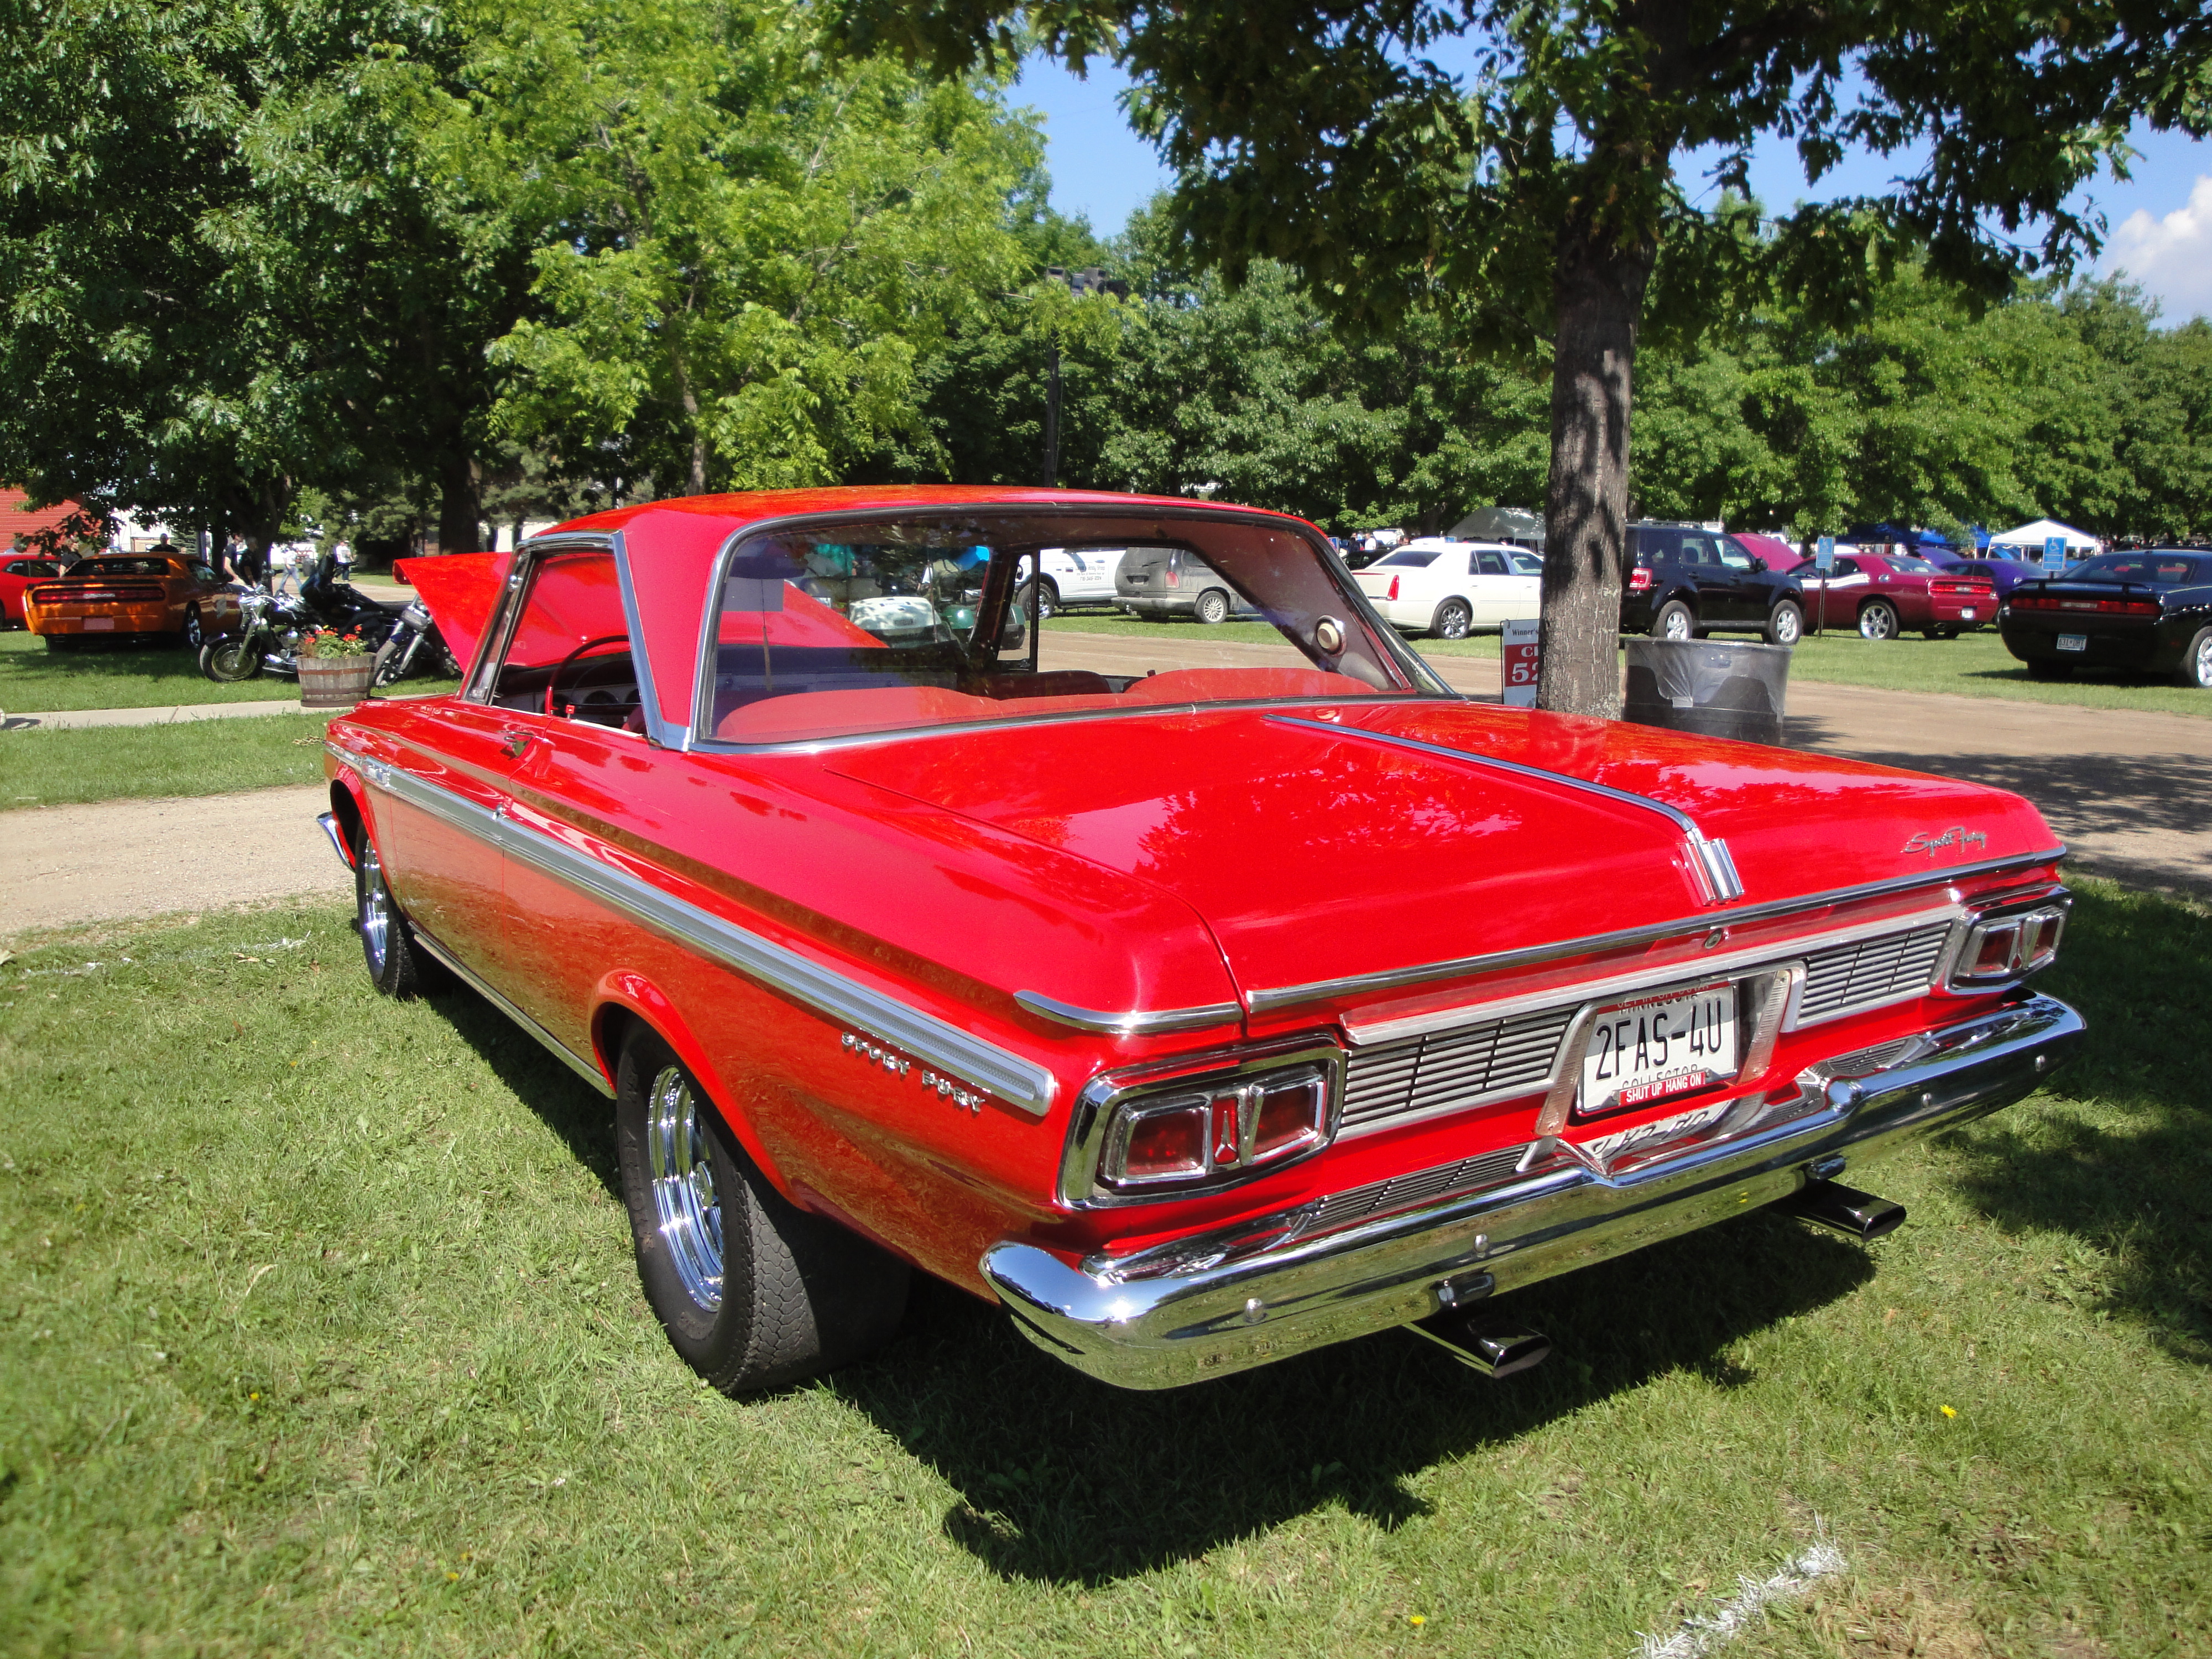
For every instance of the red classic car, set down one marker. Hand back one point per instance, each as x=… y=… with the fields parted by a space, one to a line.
x=131 y=593
x=1883 y=594
x=1198 y=1018
x=16 y=576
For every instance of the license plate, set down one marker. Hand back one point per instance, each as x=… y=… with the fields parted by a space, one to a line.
x=1966 y=614
x=2073 y=641
x=94 y=624
x=1659 y=1047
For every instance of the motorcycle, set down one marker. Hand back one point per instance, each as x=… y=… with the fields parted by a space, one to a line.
x=415 y=643
x=273 y=623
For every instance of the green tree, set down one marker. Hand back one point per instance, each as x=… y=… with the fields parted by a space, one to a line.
x=761 y=251
x=1534 y=200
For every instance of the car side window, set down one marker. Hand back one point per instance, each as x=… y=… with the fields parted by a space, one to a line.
x=1697 y=550
x=1493 y=565
x=568 y=652
x=1732 y=554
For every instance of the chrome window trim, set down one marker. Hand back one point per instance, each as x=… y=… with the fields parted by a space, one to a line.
x=1094 y=1111
x=500 y=631
x=1132 y=1023
x=1392 y=979
x=1009 y=1077
x=1421 y=679
x=1710 y=864
x=1774 y=954
x=658 y=729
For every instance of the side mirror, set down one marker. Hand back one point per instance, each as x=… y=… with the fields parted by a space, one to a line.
x=1758 y=563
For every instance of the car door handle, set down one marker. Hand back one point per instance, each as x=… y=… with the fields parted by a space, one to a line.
x=513 y=744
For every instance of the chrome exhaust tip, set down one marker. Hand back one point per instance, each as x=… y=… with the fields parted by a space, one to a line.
x=1843 y=1209
x=1497 y=1348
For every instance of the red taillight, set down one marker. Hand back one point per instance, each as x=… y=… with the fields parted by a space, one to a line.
x=1393 y=588
x=1291 y=1115
x=1640 y=580
x=2002 y=948
x=119 y=593
x=1174 y=575
x=2085 y=607
x=1167 y=1145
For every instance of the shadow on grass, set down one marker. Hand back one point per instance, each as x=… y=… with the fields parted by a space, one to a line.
x=1066 y=1480
x=2125 y=1166
x=128 y=658
x=571 y=1108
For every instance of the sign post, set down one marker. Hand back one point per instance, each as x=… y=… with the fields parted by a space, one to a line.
x=1824 y=558
x=1520 y=642
x=2054 y=555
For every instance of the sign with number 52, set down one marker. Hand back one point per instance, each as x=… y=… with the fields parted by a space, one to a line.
x=1519 y=641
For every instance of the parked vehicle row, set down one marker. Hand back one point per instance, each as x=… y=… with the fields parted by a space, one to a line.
x=1884 y=594
x=1450 y=589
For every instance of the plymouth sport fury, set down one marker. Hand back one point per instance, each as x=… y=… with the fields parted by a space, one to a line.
x=1198 y=1018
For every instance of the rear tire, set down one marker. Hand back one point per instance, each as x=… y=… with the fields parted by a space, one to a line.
x=59 y=641
x=193 y=633
x=753 y=1292
x=396 y=965
x=228 y=660
x=1453 y=619
x=1878 y=620
x=1212 y=607
x=2197 y=662
x=1785 y=625
x=1675 y=620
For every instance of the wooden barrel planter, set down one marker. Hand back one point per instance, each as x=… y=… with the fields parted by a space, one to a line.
x=334 y=681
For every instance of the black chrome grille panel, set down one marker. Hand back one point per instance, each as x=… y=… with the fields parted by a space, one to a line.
x=1495 y=1059
x=1865 y=975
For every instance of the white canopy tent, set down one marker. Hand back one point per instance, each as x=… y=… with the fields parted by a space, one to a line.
x=2029 y=539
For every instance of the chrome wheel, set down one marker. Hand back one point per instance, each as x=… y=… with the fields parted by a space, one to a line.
x=1453 y=621
x=375 y=907
x=1676 y=622
x=2200 y=661
x=1878 y=622
x=1787 y=625
x=688 y=1209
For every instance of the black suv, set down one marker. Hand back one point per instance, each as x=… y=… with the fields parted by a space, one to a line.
x=1685 y=579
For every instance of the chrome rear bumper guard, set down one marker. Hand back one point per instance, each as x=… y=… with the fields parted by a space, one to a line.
x=1238 y=1306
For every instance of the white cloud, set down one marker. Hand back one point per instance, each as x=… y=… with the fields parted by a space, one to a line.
x=2171 y=257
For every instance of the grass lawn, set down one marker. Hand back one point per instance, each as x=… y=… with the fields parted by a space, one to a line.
x=198 y=757
x=36 y=681
x=319 y=1334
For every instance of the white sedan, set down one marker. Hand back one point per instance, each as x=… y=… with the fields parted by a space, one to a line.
x=1450 y=588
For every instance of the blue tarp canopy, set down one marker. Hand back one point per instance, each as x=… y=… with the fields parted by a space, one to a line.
x=1864 y=534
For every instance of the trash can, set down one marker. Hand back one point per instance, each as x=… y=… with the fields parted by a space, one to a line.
x=1720 y=689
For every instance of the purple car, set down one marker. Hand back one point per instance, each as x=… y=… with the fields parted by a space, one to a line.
x=2007 y=574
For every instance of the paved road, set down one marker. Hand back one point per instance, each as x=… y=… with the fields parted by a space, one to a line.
x=2127 y=791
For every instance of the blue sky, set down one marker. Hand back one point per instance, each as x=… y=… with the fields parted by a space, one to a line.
x=2160 y=219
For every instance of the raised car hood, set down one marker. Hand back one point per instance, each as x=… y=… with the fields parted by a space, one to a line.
x=1315 y=852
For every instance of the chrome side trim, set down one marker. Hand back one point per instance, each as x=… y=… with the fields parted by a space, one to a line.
x=375 y=770
x=657 y=728
x=1290 y=996
x=560 y=1050
x=946 y=1048
x=1132 y=1024
x=1263 y=1290
x=329 y=822
x=1711 y=865
x=1636 y=980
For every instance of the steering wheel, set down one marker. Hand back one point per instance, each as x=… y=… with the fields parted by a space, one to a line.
x=562 y=667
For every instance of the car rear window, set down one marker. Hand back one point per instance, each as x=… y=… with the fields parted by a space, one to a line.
x=896 y=623
x=122 y=568
x=1408 y=559
x=2158 y=569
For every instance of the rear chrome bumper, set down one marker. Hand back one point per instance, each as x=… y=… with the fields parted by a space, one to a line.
x=1259 y=1292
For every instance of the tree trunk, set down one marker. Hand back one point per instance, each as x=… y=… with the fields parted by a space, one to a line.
x=698 y=474
x=459 y=506
x=1599 y=292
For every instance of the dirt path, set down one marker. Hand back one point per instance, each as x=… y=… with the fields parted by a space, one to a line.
x=2130 y=793
x=62 y=865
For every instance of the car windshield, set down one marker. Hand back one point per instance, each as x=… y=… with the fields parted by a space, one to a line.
x=1412 y=558
x=2158 y=569
x=895 y=622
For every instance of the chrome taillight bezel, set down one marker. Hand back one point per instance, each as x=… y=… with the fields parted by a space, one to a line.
x=2028 y=932
x=1115 y=1103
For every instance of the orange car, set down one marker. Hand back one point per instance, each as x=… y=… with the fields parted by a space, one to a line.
x=140 y=594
